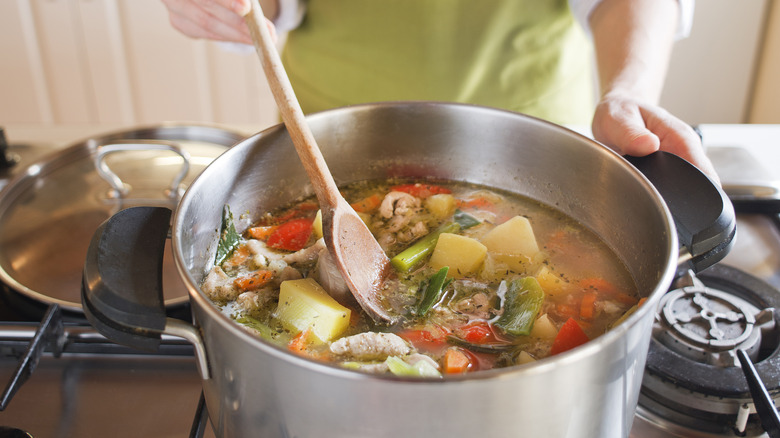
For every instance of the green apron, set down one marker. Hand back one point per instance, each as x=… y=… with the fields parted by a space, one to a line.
x=528 y=56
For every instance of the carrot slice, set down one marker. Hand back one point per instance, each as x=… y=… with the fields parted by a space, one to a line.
x=588 y=305
x=254 y=280
x=455 y=361
x=367 y=204
x=260 y=232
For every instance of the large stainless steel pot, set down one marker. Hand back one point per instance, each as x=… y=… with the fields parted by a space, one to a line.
x=255 y=389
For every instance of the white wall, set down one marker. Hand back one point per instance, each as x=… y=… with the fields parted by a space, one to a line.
x=119 y=61
x=711 y=74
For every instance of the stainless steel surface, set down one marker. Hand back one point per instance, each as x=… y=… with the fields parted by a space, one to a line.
x=52 y=206
x=128 y=396
x=512 y=152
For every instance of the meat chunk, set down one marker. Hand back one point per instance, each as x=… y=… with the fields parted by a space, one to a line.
x=253 y=301
x=219 y=286
x=371 y=346
x=306 y=255
x=398 y=203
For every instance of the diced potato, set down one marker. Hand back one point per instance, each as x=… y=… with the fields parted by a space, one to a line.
x=552 y=283
x=463 y=255
x=544 y=328
x=317 y=225
x=304 y=304
x=441 y=205
x=498 y=266
x=515 y=236
x=524 y=358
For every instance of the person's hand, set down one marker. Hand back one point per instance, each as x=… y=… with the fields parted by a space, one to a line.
x=221 y=20
x=633 y=128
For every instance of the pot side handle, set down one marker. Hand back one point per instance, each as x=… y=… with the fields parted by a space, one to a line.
x=121 y=289
x=703 y=214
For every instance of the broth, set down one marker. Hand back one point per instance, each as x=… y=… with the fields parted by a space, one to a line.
x=483 y=279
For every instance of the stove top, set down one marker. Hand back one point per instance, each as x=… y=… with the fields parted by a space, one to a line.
x=691 y=387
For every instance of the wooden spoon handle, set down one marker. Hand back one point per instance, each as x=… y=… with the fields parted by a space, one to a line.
x=309 y=152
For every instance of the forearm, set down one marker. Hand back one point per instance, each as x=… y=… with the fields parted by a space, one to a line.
x=633 y=41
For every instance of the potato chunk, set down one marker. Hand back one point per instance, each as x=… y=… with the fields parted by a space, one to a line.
x=513 y=237
x=441 y=205
x=304 y=305
x=463 y=255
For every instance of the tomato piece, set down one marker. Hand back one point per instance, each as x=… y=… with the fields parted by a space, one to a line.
x=426 y=340
x=421 y=190
x=292 y=235
x=477 y=333
x=569 y=336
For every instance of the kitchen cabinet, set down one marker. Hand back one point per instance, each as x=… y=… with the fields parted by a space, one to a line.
x=120 y=62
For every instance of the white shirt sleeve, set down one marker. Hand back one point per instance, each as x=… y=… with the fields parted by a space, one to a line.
x=583 y=8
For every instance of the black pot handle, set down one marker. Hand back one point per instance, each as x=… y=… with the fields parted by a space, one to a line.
x=121 y=288
x=703 y=214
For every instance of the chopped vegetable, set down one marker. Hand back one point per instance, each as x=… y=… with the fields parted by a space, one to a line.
x=455 y=361
x=367 y=204
x=228 y=237
x=477 y=333
x=262 y=329
x=260 y=232
x=253 y=280
x=422 y=368
x=544 y=328
x=487 y=347
x=292 y=235
x=588 y=305
x=299 y=343
x=415 y=254
x=462 y=254
x=524 y=357
x=421 y=190
x=317 y=225
x=521 y=307
x=465 y=220
x=433 y=291
x=569 y=336
x=441 y=205
x=304 y=305
x=515 y=236
x=431 y=338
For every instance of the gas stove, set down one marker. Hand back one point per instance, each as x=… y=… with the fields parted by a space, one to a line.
x=83 y=385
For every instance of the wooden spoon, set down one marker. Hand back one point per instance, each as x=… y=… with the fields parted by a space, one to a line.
x=361 y=260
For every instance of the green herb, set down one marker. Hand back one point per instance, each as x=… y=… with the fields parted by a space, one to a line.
x=228 y=237
x=465 y=220
x=433 y=292
x=521 y=306
x=262 y=329
x=422 y=368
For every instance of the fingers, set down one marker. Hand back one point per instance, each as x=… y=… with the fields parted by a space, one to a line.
x=632 y=128
x=212 y=19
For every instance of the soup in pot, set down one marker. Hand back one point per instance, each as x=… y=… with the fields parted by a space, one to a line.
x=481 y=279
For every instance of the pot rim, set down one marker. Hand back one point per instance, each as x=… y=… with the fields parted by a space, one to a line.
x=538 y=367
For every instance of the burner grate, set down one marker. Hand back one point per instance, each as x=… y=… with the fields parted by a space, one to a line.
x=693 y=377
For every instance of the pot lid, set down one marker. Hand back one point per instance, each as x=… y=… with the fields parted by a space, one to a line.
x=49 y=212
